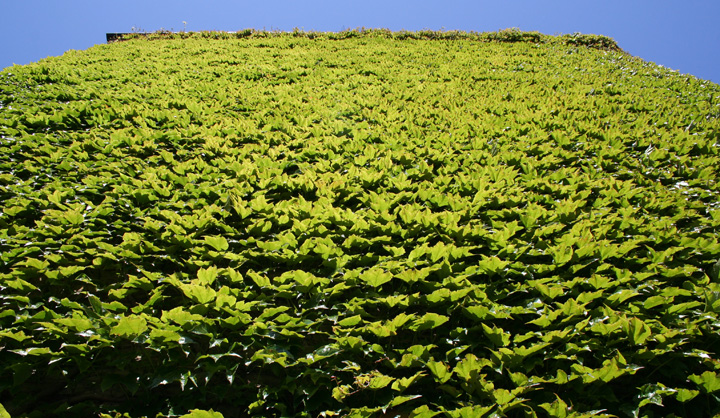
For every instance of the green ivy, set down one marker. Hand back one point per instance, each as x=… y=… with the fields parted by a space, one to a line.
x=364 y=223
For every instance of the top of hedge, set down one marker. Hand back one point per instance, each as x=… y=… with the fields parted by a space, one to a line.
x=506 y=35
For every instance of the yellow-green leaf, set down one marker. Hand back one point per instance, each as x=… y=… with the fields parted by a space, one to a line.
x=440 y=370
x=428 y=321
x=179 y=316
x=557 y=409
x=376 y=276
x=198 y=293
x=404 y=382
x=379 y=381
x=709 y=381
x=3 y=412
x=637 y=330
x=496 y=335
x=200 y=413
x=350 y=321
x=684 y=395
x=219 y=243
x=503 y=396
x=207 y=276
x=130 y=326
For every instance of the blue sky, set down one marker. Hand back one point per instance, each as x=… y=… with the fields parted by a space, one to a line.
x=682 y=35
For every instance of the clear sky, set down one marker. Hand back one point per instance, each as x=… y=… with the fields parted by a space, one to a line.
x=682 y=35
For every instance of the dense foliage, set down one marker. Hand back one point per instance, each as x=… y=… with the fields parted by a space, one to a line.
x=369 y=224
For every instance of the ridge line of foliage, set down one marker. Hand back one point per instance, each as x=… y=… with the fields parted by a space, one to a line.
x=512 y=35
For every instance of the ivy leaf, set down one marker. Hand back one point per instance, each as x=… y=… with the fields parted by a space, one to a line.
x=685 y=395
x=682 y=307
x=562 y=254
x=68 y=271
x=404 y=382
x=413 y=275
x=637 y=330
x=199 y=413
x=165 y=336
x=350 y=321
x=557 y=409
x=303 y=278
x=478 y=311
x=715 y=272
x=401 y=319
x=470 y=367
x=180 y=316
x=198 y=293
x=428 y=321
x=79 y=324
x=376 y=276
x=207 y=276
x=709 y=381
x=130 y=326
x=218 y=242
x=492 y=265
x=496 y=335
x=382 y=330
x=379 y=381
x=549 y=292
x=13 y=210
x=17 y=336
x=440 y=370
x=438 y=251
x=503 y=396
x=398 y=400
x=471 y=411
x=33 y=351
x=351 y=343
x=261 y=281
x=341 y=392
x=21 y=285
x=652 y=393
x=439 y=295
x=96 y=304
x=609 y=372
x=423 y=412
x=654 y=301
x=36 y=264
x=74 y=217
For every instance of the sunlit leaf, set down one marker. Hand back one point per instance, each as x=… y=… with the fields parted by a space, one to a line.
x=200 y=413
x=440 y=371
x=556 y=409
x=219 y=243
x=496 y=335
x=198 y=293
x=637 y=330
x=428 y=321
x=709 y=381
x=130 y=326
x=404 y=382
x=376 y=277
